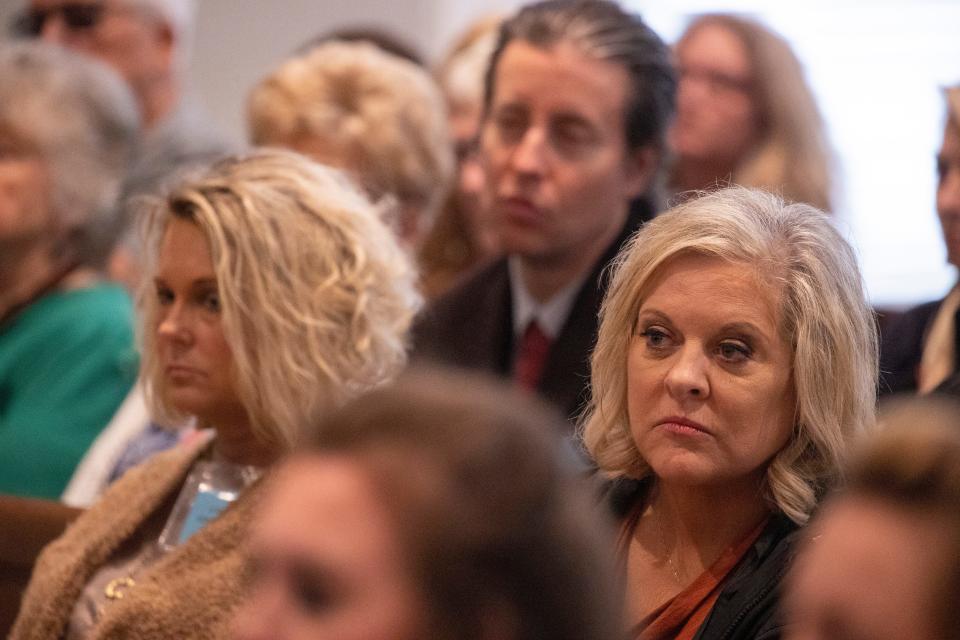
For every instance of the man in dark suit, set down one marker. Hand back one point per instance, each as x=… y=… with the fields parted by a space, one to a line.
x=577 y=101
x=919 y=349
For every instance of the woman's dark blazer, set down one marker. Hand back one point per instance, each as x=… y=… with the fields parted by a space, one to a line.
x=748 y=605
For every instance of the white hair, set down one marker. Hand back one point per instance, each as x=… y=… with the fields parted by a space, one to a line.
x=178 y=13
x=180 y=16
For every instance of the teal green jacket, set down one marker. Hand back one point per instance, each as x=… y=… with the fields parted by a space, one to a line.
x=66 y=363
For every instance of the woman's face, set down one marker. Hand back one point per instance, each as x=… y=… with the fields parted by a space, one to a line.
x=194 y=355
x=716 y=119
x=948 y=190
x=25 y=209
x=464 y=121
x=709 y=382
x=326 y=562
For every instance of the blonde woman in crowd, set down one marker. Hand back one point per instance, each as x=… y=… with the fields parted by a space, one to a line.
x=273 y=294
x=746 y=115
x=375 y=115
x=736 y=359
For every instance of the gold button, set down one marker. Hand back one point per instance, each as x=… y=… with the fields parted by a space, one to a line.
x=116 y=587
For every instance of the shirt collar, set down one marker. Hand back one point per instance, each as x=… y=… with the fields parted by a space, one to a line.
x=550 y=315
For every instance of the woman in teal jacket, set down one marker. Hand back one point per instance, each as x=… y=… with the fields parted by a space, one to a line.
x=67 y=133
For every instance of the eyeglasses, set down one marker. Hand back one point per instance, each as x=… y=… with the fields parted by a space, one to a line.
x=717 y=81
x=76 y=16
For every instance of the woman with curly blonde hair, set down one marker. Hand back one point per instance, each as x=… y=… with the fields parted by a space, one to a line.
x=356 y=107
x=274 y=293
x=736 y=359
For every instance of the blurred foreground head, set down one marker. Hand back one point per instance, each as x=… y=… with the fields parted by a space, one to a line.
x=883 y=561
x=442 y=507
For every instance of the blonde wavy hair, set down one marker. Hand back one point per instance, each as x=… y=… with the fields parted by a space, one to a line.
x=824 y=315
x=383 y=113
x=316 y=295
x=793 y=156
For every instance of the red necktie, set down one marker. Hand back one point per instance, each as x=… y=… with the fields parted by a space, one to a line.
x=531 y=356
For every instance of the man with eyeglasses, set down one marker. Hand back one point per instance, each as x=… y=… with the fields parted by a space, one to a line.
x=146 y=42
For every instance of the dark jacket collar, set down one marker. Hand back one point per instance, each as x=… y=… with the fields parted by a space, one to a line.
x=747 y=607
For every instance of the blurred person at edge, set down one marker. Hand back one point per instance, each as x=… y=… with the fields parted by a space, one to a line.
x=68 y=129
x=881 y=560
x=463 y=236
x=735 y=363
x=746 y=115
x=577 y=100
x=275 y=294
x=444 y=507
x=919 y=350
x=148 y=42
x=357 y=107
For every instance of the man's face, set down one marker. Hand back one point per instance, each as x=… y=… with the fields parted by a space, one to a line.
x=559 y=176
x=131 y=39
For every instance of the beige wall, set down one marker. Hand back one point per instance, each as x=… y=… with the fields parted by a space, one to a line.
x=239 y=41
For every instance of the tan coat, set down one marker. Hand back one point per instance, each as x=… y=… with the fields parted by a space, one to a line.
x=190 y=592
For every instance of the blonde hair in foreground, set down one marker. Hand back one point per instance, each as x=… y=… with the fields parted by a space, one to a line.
x=824 y=315
x=316 y=294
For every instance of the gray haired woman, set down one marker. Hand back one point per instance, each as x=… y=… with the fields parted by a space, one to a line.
x=67 y=133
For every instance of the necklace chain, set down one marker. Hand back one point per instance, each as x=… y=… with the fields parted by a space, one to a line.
x=666 y=551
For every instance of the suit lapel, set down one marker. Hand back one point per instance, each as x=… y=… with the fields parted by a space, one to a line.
x=566 y=375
